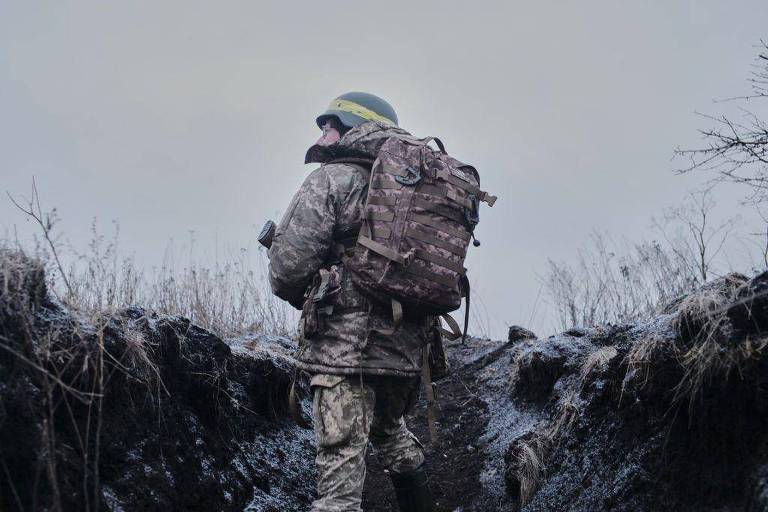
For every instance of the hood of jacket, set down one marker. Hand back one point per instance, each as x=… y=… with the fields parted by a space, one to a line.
x=363 y=141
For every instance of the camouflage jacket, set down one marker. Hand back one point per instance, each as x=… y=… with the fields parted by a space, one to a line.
x=341 y=332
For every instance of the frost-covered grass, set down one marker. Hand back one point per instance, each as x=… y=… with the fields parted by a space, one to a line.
x=614 y=281
x=230 y=297
x=617 y=285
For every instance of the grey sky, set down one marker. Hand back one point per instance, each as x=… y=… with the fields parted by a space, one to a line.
x=178 y=116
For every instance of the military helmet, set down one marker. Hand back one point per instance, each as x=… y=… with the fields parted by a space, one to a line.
x=355 y=108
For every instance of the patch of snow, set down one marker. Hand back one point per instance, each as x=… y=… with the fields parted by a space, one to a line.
x=111 y=500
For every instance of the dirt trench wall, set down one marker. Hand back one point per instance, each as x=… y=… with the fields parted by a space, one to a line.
x=132 y=411
x=668 y=414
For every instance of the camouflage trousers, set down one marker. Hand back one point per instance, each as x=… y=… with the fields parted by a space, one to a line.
x=348 y=412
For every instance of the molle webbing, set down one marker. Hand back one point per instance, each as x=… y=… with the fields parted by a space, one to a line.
x=424 y=220
x=457 y=182
x=464 y=185
x=389 y=253
x=440 y=226
x=420 y=270
x=384 y=216
x=386 y=219
x=418 y=219
x=381 y=232
x=438 y=208
x=438 y=260
x=431 y=190
x=463 y=201
x=382 y=200
x=384 y=183
x=416 y=234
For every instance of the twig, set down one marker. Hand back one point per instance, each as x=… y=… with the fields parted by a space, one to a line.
x=82 y=396
x=46 y=222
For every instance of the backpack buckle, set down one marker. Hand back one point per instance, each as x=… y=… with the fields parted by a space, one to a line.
x=472 y=213
x=410 y=179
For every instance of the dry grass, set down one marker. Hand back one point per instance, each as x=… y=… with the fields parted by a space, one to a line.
x=137 y=352
x=705 y=351
x=701 y=315
x=136 y=361
x=597 y=360
x=532 y=454
x=230 y=297
x=640 y=360
x=531 y=467
x=708 y=361
x=566 y=416
x=63 y=371
x=613 y=283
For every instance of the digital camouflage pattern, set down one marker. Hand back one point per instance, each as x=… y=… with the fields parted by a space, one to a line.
x=347 y=413
x=343 y=332
x=365 y=370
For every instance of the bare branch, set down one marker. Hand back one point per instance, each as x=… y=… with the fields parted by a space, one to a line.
x=46 y=221
x=736 y=152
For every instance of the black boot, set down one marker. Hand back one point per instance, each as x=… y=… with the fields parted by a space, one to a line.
x=412 y=490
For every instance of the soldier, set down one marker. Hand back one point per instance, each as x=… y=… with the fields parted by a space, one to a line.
x=364 y=369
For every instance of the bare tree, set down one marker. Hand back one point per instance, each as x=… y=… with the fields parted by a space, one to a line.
x=738 y=151
x=698 y=240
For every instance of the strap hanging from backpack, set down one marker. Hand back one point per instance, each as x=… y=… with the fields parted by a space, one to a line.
x=426 y=379
x=454 y=333
x=397 y=318
x=465 y=285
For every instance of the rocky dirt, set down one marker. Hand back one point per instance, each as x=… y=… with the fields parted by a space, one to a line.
x=132 y=411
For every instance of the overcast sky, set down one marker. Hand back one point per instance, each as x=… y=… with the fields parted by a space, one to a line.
x=178 y=116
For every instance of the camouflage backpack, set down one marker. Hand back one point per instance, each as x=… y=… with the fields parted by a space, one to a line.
x=419 y=217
